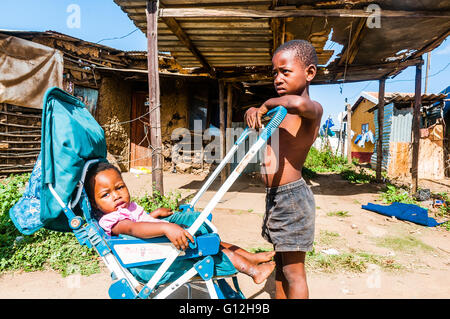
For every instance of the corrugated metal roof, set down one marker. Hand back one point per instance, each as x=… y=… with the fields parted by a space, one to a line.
x=406 y=99
x=224 y=42
x=234 y=35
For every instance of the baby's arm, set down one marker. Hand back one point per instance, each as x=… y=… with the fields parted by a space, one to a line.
x=161 y=212
x=176 y=234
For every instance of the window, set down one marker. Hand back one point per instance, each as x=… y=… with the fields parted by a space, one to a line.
x=364 y=128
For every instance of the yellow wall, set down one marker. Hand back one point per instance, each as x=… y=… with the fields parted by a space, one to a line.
x=361 y=116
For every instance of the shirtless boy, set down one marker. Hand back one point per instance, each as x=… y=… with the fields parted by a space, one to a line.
x=290 y=206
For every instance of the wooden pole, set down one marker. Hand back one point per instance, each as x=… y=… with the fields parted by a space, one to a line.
x=223 y=173
x=229 y=120
x=380 y=128
x=427 y=71
x=153 y=93
x=349 y=133
x=416 y=128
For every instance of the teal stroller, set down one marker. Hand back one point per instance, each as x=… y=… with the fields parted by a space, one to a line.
x=55 y=199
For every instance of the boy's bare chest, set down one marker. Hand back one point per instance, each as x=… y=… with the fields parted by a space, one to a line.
x=292 y=132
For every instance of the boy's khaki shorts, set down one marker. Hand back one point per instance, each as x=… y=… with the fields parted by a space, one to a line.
x=290 y=217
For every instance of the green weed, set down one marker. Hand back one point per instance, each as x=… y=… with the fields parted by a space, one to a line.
x=358 y=178
x=339 y=213
x=445 y=225
x=327 y=238
x=151 y=202
x=256 y=250
x=393 y=194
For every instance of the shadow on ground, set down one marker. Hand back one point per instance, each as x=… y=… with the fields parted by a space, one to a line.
x=244 y=183
x=334 y=184
x=322 y=183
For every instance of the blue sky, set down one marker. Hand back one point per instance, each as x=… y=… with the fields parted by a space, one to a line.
x=102 y=20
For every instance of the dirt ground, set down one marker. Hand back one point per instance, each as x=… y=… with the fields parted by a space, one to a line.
x=341 y=224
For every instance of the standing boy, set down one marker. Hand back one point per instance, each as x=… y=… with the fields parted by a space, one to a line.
x=290 y=206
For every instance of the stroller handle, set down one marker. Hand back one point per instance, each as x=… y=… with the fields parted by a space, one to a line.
x=278 y=114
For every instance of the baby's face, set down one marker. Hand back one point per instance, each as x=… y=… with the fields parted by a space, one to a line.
x=110 y=191
x=290 y=74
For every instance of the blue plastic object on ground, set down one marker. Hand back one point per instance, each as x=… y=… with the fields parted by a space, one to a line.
x=409 y=212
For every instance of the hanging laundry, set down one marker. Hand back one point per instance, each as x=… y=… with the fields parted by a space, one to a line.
x=361 y=139
x=371 y=138
x=325 y=129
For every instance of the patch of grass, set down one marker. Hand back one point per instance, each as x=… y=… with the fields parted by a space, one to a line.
x=339 y=213
x=353 y=262
x=405 y=244
x=323 y=161
x=49 y=250
x=44 y=249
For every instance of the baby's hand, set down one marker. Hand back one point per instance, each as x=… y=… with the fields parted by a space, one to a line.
x=178 y=236
x=161 y=212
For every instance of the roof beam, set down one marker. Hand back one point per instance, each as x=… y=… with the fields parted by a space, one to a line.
x=284 y=13
x=175 y=27
x=349 y=53
x=429 y=47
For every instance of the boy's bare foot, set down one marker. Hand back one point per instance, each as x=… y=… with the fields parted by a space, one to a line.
x=261 y=257
x=263 y=271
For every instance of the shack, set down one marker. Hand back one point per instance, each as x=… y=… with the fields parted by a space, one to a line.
x=397 y=134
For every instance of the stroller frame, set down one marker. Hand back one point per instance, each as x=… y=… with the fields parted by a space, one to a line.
x=113 y=250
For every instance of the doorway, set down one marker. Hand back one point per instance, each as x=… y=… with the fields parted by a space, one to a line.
x=140 y=150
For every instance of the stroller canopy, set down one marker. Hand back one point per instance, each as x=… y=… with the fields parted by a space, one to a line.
x=70 y=137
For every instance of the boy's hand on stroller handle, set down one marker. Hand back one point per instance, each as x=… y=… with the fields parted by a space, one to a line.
x=178 y=236
x=253 y=116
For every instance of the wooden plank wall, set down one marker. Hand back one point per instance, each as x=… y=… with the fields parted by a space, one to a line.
x=20 y=138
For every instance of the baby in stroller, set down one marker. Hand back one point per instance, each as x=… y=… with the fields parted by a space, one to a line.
x=118 y=215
